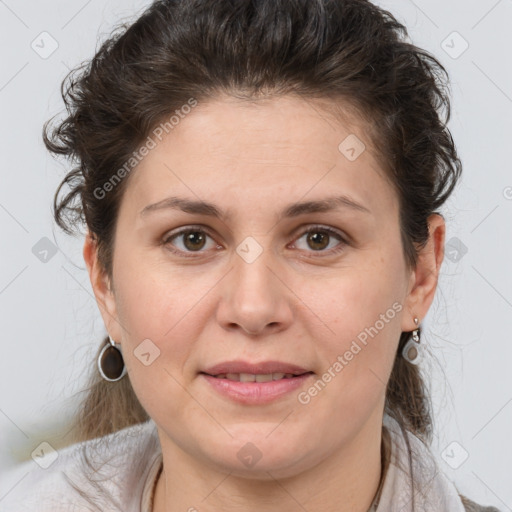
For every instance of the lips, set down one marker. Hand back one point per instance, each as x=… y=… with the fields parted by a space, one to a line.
x=257 y=392
x=249 y=377
x=238 y=370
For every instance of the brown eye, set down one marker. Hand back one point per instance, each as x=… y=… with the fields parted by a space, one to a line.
x=194 y=240
x=189 y=241
x=321 y=239
x=318 y=240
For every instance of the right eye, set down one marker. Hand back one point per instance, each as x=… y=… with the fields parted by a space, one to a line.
x=191 y=239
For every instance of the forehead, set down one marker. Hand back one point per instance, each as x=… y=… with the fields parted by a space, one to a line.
x=247 y=148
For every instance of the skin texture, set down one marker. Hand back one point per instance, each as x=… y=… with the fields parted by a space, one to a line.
x=294 y=303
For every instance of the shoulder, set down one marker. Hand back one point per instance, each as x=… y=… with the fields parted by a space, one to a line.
x=415 y=471
x=108 y=473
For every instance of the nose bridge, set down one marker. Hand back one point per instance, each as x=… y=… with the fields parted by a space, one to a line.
x=253 y=275
x=254 y=297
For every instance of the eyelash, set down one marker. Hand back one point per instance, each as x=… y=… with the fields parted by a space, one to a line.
x=199 y=229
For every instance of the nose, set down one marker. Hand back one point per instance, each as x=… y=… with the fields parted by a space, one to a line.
x=254 y=298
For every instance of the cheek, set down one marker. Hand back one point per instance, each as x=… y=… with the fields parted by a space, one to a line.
x=361 y=313
x=359 y=300
x=162 y=316
x=151 y=300
x=158 y=342
x=357 y=361
x=149 y=310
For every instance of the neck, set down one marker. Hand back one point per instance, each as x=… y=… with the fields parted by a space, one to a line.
x=346 y=481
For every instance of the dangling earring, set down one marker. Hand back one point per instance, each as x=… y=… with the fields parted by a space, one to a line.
x=110 y=362
x=413 y=351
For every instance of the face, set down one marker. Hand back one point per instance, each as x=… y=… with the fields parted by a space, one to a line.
x=324 y=289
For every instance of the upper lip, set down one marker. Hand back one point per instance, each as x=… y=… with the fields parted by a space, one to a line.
x=261 y=368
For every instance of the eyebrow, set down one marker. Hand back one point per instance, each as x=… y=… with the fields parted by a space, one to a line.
x=293 y=210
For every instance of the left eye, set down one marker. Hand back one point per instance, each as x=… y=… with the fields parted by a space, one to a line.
x=319 y=238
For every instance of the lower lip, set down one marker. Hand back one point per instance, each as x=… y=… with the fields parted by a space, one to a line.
x=256 y=392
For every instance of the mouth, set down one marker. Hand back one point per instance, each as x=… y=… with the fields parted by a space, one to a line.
x=250 y=377
x=256 y=388
x=255 y=383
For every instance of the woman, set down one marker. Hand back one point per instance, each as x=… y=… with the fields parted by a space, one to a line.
x=261 y=185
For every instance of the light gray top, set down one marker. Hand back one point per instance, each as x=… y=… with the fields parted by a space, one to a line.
x=128 y=463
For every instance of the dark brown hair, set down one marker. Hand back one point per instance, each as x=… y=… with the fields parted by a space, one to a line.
x=346 y=51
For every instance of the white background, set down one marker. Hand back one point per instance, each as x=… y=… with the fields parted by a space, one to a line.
x=51 y=324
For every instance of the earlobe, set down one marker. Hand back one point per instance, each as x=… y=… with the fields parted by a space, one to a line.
x=426 y=274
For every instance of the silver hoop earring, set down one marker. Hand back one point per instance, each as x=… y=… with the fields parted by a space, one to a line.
x=413 y=350
x=111 y=363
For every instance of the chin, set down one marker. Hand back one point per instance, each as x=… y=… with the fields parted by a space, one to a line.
x=260 y=458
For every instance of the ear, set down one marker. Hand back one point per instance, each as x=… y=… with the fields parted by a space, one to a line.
x=102 y=288
x=424 y=278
